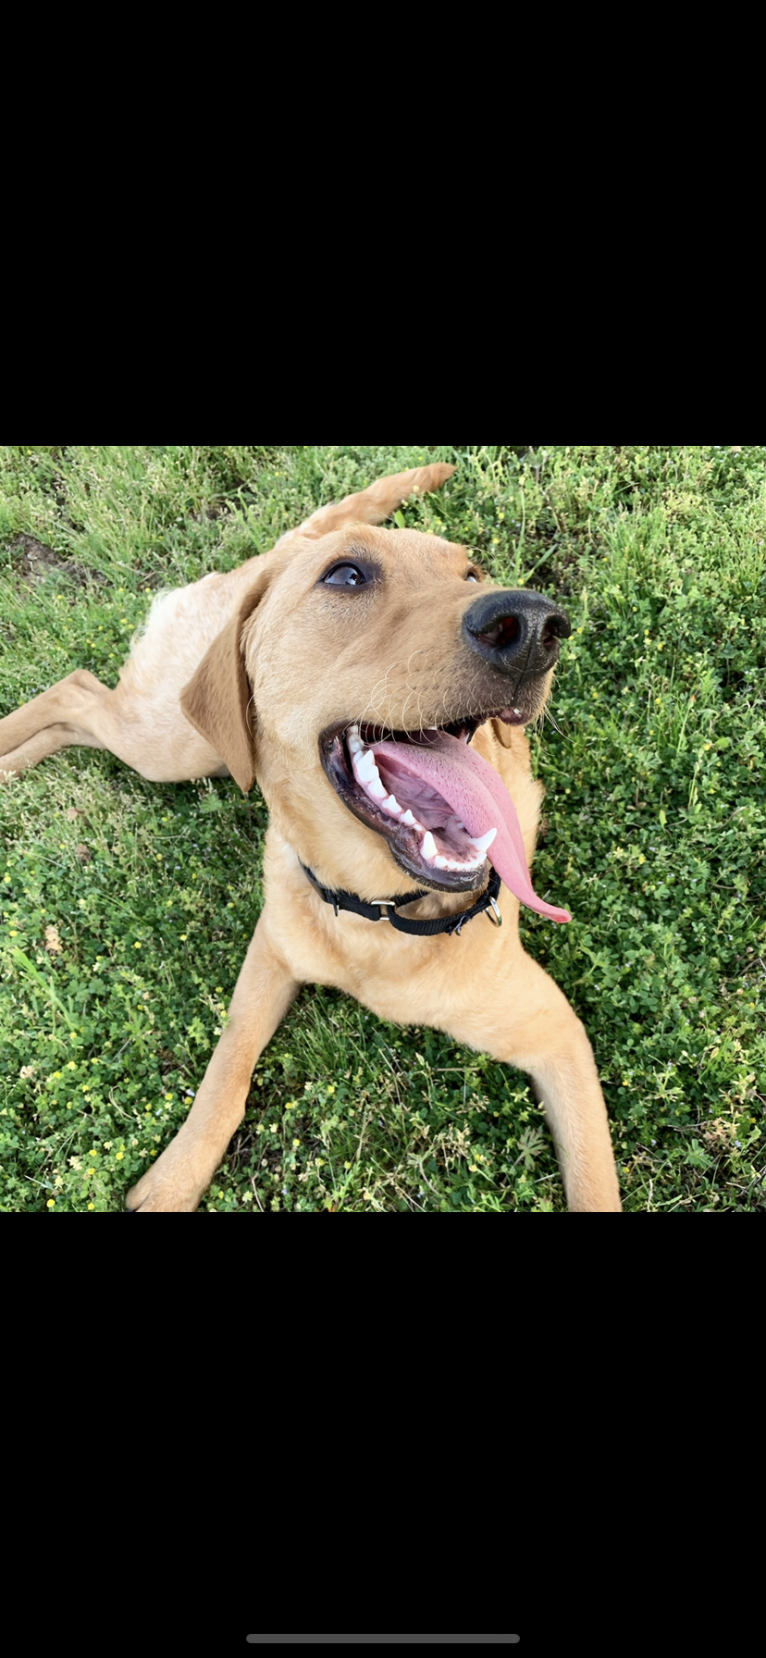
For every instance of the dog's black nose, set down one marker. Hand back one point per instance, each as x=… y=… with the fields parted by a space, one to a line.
x=516 y=630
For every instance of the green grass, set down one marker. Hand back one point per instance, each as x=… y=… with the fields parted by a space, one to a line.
x=653 y=837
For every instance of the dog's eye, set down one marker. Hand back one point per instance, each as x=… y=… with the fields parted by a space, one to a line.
x=345 y=575
x=471 y=576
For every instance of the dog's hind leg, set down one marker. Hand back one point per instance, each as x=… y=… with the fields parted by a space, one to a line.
x=376 y=504
x=149 y=734
x=56 y=719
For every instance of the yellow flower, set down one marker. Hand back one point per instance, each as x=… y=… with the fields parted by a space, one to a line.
x=93 y=1154
x=51 y=1204
x=296 y=1143
x=91 y=1205
x=136 y=946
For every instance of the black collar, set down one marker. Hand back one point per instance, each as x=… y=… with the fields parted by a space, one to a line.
x=378 y=907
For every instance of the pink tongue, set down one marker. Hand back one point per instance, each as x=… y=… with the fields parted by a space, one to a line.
x=476 y=794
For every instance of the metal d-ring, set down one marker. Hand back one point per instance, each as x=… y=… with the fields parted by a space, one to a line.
x=496 y=919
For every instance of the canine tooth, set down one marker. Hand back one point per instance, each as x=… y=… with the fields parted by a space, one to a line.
x=428 y=847
x=392 y=804
x=365 y=767
x=409 y=819
x=484 y=842
x=443 y=863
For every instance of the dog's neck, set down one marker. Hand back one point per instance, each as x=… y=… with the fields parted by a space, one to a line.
x=423 y=905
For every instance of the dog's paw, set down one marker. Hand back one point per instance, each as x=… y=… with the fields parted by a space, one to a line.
x=172 y=1186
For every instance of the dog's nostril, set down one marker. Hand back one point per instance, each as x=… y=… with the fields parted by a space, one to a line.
x=504 y=632
x=504 y=626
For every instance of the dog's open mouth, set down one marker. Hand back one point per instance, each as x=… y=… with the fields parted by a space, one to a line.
x=442 y=808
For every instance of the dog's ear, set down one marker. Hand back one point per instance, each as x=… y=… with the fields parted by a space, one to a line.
x=217 y=700
x=506 y=734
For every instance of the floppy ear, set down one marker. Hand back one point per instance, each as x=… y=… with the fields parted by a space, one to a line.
x=217 y=700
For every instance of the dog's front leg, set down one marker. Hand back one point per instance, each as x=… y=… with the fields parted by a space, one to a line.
x=263 y=993
x=534 y=1027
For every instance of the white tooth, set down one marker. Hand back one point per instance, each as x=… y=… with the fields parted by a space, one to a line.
x=410 y=820
x=517 y=711
x=375 y=788
x=428 y=847
x=365 y=767
x=484 y=842
x=354 y=741
x=459 y=824
x=443 y=863
x=392 y=804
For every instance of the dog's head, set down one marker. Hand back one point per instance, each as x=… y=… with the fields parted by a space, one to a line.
x=351 y=681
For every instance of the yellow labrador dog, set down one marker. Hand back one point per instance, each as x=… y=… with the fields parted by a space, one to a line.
x=377 y=687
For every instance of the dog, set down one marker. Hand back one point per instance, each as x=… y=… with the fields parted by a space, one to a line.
x=376 y=685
